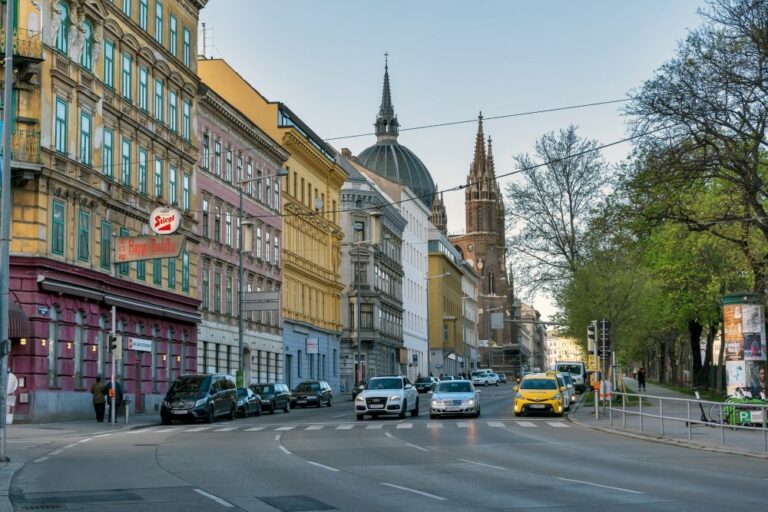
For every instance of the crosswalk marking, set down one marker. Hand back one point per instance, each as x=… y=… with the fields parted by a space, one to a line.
x=528 y=424
x=557 y=424
x=314 y=427
x=495 y=424
x=405 y=425
x=463 y=424
x=226 y=429
x=197 y=429
x=375 y=426
x=254 y=429
x=345 y=427
x=285 y=428
x=432 y=424
x=164 y=430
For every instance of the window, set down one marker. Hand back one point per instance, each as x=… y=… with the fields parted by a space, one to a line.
x=277 y=250
x=109 y=64
x=142 y=171
x=206 y=162
x=83 y=236
x=268 y=246
x=125 y=163
x=186 y=192
x=268 y=191
x=228 y=296
x=258 y=242
x=158 y=177
x=172 y=34
x=258 y=185
x=107 y=157
x=276 y=202
x=172 y=194
x=186 y=47
x=105 y=255
x=205 y=217
x=157 y=271
x=185 y=272
x=228 y=167
x=228 y=228
x=85 y=138
x=159 y=100
x=141 y=270
x=239 y=176
x=62 y=36
x=86 y=56
x=217 y=158
x=127 y=7
x=186 y=121
x=143 y=89
x=57 y=228
x=217 y=224
x=171 y=273
x=159 y=21
x=172 y=111
x=205 y=283
x=217 y=291
x=143 y=9
x=123 y=268
x=249 y=178
x=126 y=81
x=60 y=133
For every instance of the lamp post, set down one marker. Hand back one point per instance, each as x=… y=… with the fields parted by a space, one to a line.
x=240 y=249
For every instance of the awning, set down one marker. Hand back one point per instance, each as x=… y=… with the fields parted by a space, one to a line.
x=18 y=323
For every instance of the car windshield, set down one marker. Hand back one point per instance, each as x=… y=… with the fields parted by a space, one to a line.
x=457 y=386
x=385 y=384
x=567 y=378
x=241 y=393
x=262 y=390
x=538 y=384
x=308 y=386
x=195 y=384
x=479 y=374
x=569 y=368
x=424 y=380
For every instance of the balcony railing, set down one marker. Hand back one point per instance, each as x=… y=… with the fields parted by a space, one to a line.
x=25 y=146
x=26 y=43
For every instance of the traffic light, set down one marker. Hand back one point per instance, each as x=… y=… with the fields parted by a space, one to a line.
x=115 y=344
x=591 y=336
x=604 y=336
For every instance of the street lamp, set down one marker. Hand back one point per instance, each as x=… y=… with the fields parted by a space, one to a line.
x=240 y=246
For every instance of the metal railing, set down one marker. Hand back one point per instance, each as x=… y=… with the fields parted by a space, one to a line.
x=670 y=416
x=26 y=43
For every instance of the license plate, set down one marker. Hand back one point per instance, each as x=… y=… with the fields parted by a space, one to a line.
x=537 y=406
x=453 y=409
x=179 y=412
x=301 y=401
x=376 y=406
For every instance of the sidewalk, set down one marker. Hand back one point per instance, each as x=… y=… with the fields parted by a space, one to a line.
x=670 y=431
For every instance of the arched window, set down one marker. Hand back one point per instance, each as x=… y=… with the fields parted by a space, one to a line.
x=491 y=281
x=62 y=36
x=86 y=59
x=53 y=352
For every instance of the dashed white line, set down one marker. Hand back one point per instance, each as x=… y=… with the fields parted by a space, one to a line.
x=405 y=425
x=389 y=435
x=329 y=468
x=254 y=429
x=285 y=428
x=345 y=427
x=599 y=485
x=214 y=498
x=482 y=464
x=56 y=452
x=285 y=450
x=495 y=424
x=526 y=424
x=41 y=459
x=103 y=435
x=165 y=430
x=557 y=424
x=226 y=429
x=314 y=427
x=374 y=426
x=432 y=424
x=69 y=446
x=277 y=437
x=417 y=447
x=196 y=429
x=415 y=491
x=86 y=440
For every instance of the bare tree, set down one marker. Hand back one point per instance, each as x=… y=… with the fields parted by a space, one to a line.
x=549 y=208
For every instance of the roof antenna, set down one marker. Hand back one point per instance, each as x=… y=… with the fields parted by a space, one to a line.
x=207 y=39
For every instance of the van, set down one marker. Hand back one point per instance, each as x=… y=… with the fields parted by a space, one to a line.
x=578 y=372
x=202 y=396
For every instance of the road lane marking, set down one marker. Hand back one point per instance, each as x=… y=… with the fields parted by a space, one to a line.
x=165 y=430
x=374 y=427
x=463 y=424
x=389 y=435
x=599 y=485
x=197 y=429
x=254 y=429
x=415 y=491
x=495 y=424
x=329 y=468
x=56 y=452
x=87 y=439
x=405 y=425
x=69 y=446
x=557 y=424
x=103 y=435
x=417 y=447
x=285 y=450
x=433 y=424
x=277 y=437
x=41 y=459
x=285 y=428
x=526 y=424
x=345 y=427
x=314 y=427
x=226 y=429
x=214 y=498
x=482 y=464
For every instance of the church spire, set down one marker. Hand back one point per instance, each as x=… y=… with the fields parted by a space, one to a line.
x=439 y=217
x=386 y=123
x=489 y=158
x=478 y=165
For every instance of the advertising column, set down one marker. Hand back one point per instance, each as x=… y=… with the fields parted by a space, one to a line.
x=745 y=343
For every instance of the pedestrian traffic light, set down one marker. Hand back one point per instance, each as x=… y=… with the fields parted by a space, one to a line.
x=591 y=336
x=115 y=344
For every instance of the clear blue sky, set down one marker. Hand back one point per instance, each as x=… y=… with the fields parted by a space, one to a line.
x=449 y=60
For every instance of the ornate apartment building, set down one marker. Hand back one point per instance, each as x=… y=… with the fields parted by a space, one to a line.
x=111 y=94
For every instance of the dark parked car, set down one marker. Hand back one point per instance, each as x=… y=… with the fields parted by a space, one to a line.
x=313 y=393
x=201 y=396
x=273 y=396
x=425 y=384
x=248 y=402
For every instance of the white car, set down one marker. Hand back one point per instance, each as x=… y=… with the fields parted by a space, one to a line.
x=455 y=397
x=387 y=395
x=482 y=378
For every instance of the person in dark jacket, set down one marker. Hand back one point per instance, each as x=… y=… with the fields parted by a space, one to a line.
x=99 y=400
x=641 y=379
x=118 y=398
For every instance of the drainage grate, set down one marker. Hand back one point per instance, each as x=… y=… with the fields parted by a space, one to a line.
x=295 y=503
x=44 y=506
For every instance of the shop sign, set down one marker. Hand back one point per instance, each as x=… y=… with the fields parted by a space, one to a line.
x=164 y=221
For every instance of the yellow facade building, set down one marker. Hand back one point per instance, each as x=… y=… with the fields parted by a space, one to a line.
x=311 y=251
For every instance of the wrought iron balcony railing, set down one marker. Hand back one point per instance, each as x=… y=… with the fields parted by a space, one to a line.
x=26 y=43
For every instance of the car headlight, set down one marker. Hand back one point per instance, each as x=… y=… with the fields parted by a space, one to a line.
x=556 y=396
x=394 y=398
x=200 y=402
x=360 y=398
x=241 y=402
x=470 y=402
x=437 y=403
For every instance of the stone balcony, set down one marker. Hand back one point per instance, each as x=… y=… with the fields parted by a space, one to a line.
x=26 y=43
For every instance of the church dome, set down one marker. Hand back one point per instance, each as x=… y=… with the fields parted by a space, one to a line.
x=390 y=159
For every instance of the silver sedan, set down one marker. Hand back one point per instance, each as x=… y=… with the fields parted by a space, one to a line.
x=454 y=397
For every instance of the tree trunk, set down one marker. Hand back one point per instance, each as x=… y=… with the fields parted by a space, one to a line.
x=663 y=361
x=720 y=359
x=707 y=370
x=694 y=337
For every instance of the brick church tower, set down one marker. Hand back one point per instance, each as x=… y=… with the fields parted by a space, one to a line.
x=483 y=243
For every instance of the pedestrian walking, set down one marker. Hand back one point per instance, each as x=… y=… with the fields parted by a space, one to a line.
x=99 y=400
x=118 y=394
x=641 y=379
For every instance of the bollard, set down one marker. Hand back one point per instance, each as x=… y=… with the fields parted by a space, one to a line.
x=661 y=414
x=640 y=410
x=688 y=406
x=624 y=410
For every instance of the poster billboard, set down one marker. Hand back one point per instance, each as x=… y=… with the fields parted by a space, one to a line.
x=745 y=342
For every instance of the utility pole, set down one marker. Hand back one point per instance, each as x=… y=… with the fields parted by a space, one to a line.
x=5 y=225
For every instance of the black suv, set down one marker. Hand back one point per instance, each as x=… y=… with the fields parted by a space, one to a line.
x=273 y=396
x=202 y=396
x=312 y=393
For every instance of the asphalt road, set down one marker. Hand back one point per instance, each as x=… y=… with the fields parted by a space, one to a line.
x=322 y=459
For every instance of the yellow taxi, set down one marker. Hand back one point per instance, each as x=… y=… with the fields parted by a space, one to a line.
x=539 y=392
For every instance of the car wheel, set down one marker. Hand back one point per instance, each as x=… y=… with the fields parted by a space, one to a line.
x=516 y=414
x=402 y=411
x=232 y=412
x=415 y=411
x=432 y=416
x=360 y=417
x=210 y=417
x=272 y=407
x=485 y=383
x=258 y=410
x=330 y=401
x=285 y=407
x=477 y=413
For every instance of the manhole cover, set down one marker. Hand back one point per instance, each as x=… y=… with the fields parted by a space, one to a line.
x=295 y=503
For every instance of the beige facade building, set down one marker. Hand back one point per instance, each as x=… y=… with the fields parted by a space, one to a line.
x=560 y=348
